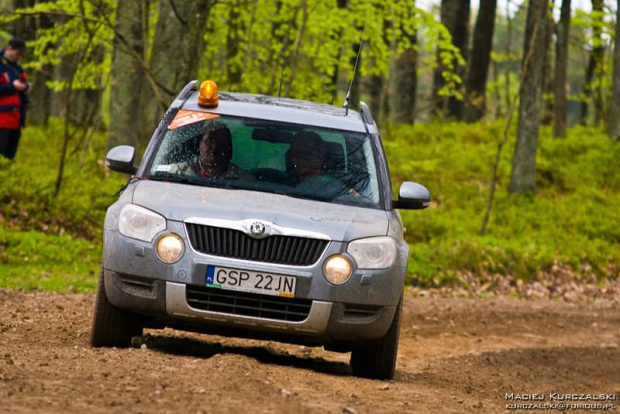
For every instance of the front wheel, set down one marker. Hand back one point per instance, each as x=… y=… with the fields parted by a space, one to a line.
x=111 y=326
x=377 y=360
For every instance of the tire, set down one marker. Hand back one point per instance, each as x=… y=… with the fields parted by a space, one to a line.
x=112 y=327
x=377 y=360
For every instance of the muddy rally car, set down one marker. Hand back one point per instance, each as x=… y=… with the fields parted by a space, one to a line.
x=258 y=217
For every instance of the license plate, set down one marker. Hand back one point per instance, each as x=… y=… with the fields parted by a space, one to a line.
x=248 y=281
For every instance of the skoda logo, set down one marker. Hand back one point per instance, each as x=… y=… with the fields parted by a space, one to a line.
x=257 y=229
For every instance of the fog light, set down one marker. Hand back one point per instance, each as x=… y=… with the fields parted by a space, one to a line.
x=170 y=248
x=337 y=269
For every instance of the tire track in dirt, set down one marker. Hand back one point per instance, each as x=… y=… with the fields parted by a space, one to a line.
x=456 y=355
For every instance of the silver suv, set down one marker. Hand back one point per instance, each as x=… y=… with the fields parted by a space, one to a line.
x=259 y=217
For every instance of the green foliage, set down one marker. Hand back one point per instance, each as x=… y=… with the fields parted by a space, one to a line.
x=249 y=44
x=595 y=29
x=81 y=33
x=312 y=39
x=28 y=183
x=53 y=244
x=573 y=220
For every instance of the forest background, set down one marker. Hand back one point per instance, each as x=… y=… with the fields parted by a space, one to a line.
x=508 y=113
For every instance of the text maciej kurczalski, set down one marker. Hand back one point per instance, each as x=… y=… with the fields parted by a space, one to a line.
x=556 y=396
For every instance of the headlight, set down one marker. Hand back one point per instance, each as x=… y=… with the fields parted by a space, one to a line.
x=337 y=269
x=373 y=253
x=170 y=248
x=139 y=223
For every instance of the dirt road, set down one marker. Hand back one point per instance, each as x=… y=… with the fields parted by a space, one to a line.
x=456 y=356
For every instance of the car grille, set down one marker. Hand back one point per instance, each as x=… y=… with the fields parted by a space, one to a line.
x=289 y=250
x=248 y=304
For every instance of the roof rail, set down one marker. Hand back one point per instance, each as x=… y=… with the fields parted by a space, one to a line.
x=366 y=113
x=187 y=90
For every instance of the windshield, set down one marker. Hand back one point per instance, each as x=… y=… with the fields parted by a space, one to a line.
x=294 y=160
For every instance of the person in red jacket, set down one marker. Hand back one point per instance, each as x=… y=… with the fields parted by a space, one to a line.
x=13 y=96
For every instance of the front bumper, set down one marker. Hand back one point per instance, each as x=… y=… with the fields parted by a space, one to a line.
x=327 y=322
x=379 y=287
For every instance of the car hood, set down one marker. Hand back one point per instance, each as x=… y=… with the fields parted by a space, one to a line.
x=180 y=202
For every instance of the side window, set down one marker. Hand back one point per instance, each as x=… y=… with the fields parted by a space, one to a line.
x=180 y=145
x=361 y=173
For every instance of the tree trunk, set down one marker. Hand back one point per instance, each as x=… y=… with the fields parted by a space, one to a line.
x=40 y=94
x=405 y=90
x=61 y=73
x=476 y=83
x=277 y=57
x=26 y=26
x=455 y=16
x=404 y=86
x=174 y=62
x=281 y=32
x=233 y=39
x=127 y=76
x=497 y=107
x=294 y=59
x=594 y=69
x=192 y=46
x=614 y=109
x=561 y=66
x=523 y=176
x=342 y=4
x=86 y=106
x=68 y=93
x=548 y=78
x=599 y=57
x=377 y=86
x=166 y=51
x=586 y=92
x=508 y=50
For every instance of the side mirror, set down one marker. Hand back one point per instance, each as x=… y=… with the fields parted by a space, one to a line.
x=412 y=196
x=121 y=158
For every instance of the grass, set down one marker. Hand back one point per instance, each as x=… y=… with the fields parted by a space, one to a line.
x=572 y=220
x=46 y=243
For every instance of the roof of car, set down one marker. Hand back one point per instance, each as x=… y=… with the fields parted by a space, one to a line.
x=283 y=110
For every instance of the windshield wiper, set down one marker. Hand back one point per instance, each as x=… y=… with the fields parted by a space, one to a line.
x=191 y=180
x=175 y=178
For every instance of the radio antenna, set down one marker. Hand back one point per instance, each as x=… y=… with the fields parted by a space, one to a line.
x=280 y=88
x=345 y=105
